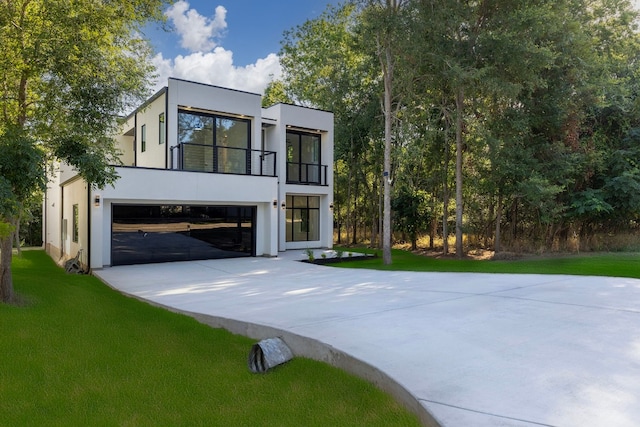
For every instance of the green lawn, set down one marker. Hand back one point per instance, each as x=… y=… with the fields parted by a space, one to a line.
x=78 y=353
x=609 y=264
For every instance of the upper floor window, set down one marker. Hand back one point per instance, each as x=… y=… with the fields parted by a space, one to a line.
x=143 y=138
x=162 y=129
x=303 y=158
x=213 y=143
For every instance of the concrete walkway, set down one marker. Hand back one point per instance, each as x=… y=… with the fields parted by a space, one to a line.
x=472 y=349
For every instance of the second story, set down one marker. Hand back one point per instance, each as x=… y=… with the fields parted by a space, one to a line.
x=202 y=128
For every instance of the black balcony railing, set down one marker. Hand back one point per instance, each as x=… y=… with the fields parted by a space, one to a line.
x=306 y=173
x=231 y=160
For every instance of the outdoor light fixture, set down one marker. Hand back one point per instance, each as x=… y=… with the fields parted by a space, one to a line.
x=331 y=206
x=96 y=200
x=283 y=205
x=275 y=203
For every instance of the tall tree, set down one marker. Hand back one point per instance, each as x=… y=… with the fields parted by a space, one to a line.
x=67 y=69
x=383 y=25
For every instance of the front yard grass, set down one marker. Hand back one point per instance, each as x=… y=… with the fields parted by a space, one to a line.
x=76 y=352
x=622 y=264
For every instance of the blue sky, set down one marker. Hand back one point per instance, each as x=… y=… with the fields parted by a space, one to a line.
x=231 y=43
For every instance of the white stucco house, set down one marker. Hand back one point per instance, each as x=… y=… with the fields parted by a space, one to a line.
x=207 y=173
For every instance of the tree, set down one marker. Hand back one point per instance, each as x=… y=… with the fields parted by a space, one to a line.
x=67 y=69
x=382 y=25
x=275 y=93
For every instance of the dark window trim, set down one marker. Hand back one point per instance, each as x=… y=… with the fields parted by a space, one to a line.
x=143 y=138
x=216 y=116
x=290 y=207
x=75 y=223
x=162 y=131
x=300 y=163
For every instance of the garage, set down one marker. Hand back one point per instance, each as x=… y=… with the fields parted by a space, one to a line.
x=142 y=234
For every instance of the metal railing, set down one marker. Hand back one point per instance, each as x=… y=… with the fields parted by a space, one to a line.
x=306 y=173
x=229 y=160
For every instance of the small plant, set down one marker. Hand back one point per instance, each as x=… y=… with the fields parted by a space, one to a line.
x=310 y=256
x=324 y=256
x=350 y=254
x=339 y=253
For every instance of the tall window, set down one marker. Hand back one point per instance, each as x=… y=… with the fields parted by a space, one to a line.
x=303 y=218
x=212 y=143
x=162 y=130
x=303 y=157
x=143 y=137
x=75 y=225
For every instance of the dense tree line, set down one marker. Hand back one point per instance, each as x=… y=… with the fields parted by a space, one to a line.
x=508 y=122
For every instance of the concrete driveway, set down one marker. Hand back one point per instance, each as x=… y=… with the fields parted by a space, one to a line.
x=472 y=349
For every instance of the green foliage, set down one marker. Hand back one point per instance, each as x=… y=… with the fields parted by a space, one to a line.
x=68 y=69
x=6 y=229
x=79 y=353
x=540 y=99
x=614 y=265
x=410 y=211
x=22 y=169
x=275 y=93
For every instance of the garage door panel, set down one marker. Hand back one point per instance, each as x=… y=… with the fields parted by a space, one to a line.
x=162 y=233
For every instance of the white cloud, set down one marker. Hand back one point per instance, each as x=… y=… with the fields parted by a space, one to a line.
x=217 y=68
x=197 y=33
x=208 y=62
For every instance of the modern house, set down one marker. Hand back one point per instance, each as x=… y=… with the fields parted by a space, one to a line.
x=207 y=173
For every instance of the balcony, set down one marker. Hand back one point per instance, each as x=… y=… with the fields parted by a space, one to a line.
x=226 y=160
x=306 y=173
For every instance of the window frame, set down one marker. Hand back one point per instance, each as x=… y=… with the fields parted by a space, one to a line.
x=75 y=220
x=162 y=129
x=299 y=165
x=294 y=205
x=218 y=148
x=143 y=138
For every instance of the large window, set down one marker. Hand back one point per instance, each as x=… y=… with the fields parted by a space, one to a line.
x=303 y=158
x=212 y=143
x=303 y=218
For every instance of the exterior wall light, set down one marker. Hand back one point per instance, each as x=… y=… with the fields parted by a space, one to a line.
x=283 y=206
x=275 y=203
x=96 y=200
x=331 y=206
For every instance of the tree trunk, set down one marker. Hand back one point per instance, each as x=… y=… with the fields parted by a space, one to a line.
x=388 y=91
x=16 y=235
x=6 y=281
x=459 y=148
x=497 y=247
x=445 y=192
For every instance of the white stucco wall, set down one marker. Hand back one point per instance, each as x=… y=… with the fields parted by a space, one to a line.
x=52 y=206
x=313 y=121
x=155 y=153
x=75 y=193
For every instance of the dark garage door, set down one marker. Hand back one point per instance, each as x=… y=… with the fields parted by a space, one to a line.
x=142 y=234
